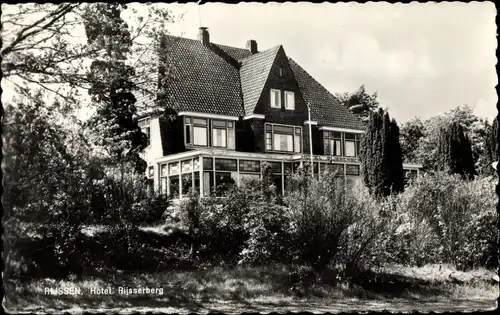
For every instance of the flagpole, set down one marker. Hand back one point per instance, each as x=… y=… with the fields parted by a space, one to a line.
x=310 y=138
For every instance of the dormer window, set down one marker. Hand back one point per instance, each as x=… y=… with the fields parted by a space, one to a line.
x=223 y=134
x=275 y=98
x=209 y=132
x=196 y=131
x=289 y=100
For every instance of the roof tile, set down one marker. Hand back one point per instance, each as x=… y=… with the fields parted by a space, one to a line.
x=254 y=73
x=325 y=108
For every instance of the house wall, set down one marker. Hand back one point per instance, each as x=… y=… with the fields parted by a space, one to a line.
x=283 y=80
x=154 y=150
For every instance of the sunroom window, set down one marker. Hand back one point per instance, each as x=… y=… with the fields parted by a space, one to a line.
x=283 y=138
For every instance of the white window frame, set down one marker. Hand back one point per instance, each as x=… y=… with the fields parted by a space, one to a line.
x=193 y=136
x=192 y=125
x=271 y=93
x=287 y=106
x=294 y=135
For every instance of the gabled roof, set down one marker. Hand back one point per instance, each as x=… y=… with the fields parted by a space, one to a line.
x=200 y=80
x=325 y=108
x=254 y=72
x=229 y=81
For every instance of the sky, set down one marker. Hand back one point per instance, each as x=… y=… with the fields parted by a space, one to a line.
x=421 y=59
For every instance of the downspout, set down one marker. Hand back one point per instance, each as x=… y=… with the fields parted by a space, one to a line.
x=310 y=138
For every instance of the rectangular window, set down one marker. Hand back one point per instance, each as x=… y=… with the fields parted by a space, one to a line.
x=196 y=181
x=276 y=167
x=230 y=138
x=173 y=168
x=350 y=148
x=223 y=181
x=219 y=137
x=187 y=184
x=283 y=138
x=283 y=142
x=269 y=141
x=333 y=143
x=208 y=163
x=351 y=144
x=195 y=131
x=199 y=121
x=275 y=98
x=223 y=134
x=352 y=169
x=208 y=183
x=289 y=100
x=219 y=124
x=225 y=165
x=187 y=134
x=200 y=136
x=174 y=186
x=250 y=166
x=297 y=144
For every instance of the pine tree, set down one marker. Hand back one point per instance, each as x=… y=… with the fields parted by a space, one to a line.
x=455 y=151
x=381 y=159
x=112 y=88
x=396 y=159
x=490 y=153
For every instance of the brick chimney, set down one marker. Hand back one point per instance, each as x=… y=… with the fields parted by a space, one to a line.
x=204 y=36
x=252 y=46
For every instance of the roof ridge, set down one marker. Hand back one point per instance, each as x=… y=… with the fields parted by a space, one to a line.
x=254 y=74
x=261 y=52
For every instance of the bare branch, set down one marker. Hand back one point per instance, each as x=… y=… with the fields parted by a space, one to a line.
x=49 y=19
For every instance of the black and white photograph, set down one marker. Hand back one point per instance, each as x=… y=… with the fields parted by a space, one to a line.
x=210 y=157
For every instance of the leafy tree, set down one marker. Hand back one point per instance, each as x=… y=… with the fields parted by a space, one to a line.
x=359 y=102
x=455 y=152
x=381 y=158
x=40 y=49
x=427 y=152
x=46 y=189
x=113 y=87
x=411 y=133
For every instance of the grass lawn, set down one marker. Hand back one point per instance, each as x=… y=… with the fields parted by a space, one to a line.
x=267 y=289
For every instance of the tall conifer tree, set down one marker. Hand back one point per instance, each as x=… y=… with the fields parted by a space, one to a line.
x=455 y=151
x=113 y=88
x=381 y=158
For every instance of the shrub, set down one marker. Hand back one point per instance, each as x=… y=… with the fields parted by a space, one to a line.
x=269 y=235
x=148 y=210
x=321 y=212
x=444 y=219
x=216 y=224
